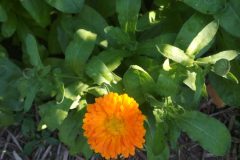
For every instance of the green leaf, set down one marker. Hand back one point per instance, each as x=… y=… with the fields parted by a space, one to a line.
x=222 y=67
x=38 y=10
x=53 y=43
x=28 y=127
x=228 y=55
x=33 y=51
x=6 y=118
x=138 y=82
x=235 y=5
x=75 y=89
x=9 y=27
x=226 y=41
x=164 y=3
x=163 y=156
x=173 y=135
x=104 y=7
x=79 y=50
x=30 y=97
x=211 y=134
x=227 y=90
x=159 y=140
x=67 y=6
x=128 y=14
x=3 y=14
x=206 y=7
x=185 y=98
x=229 y=18
x=148 y=47
x=9 y=95
x=98 y=71
x=116 y=36
x=53 y=114
x=191 y=79
x=29 y=147
x=202 y=39
x=148 y=20
x=112 y=58
x=70 y=24
x=168 y=82
x=190 y=29
x=71 y=133
x=84 y=20
x=174 y=54
x=200 y=84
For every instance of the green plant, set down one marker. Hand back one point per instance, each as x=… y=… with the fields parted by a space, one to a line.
x=57 y=56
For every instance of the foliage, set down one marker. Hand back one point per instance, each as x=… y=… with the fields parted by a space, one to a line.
x=57 y=56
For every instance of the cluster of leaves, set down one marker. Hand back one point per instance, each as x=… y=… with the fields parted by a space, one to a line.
x=57 y=55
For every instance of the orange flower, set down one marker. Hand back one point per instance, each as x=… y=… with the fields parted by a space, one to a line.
x=113 y=125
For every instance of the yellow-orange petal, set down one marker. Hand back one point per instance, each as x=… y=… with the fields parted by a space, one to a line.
x=113 y=125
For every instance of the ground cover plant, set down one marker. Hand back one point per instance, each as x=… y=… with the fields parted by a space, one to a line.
x=114 y=78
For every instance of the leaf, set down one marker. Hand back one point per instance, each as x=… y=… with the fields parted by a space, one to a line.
x=71 y=133
x=150 y=65
x=3 y=14
x=185 y=98
x=6 y=118
x=228 y=55
x=227 y=41
x=190 y=29
x=235 y=4
x=53 y=43
x=116 y=36
x=148 y=20
x=159 y=140
x=33 y=51
x=206 y=7
x=138 y=82
x=202 y=39
x=175 y=54
x=104 y=7
x=164 y=3
x=53 y=114
x=67 y=6
x=200 y=84
x=227 y=90
x=9 y=95
x=29 y=147
x=229 y=18
x=168 y=82
x=221 y=67
x=191 y=79
x=74 y=90
x=148 y=47
x=28 y=127
x=30 y=97
x=9 y=27
x=128 y=14
x=79 y=50
x=38 y=10
x=163 y=156
x=211 y=134
x=112 y=58
x=84 y=18
x=98 y=71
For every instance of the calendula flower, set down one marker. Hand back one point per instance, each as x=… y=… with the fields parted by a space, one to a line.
x=113 y=125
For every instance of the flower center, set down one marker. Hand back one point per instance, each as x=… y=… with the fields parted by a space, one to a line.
x=114 y=125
